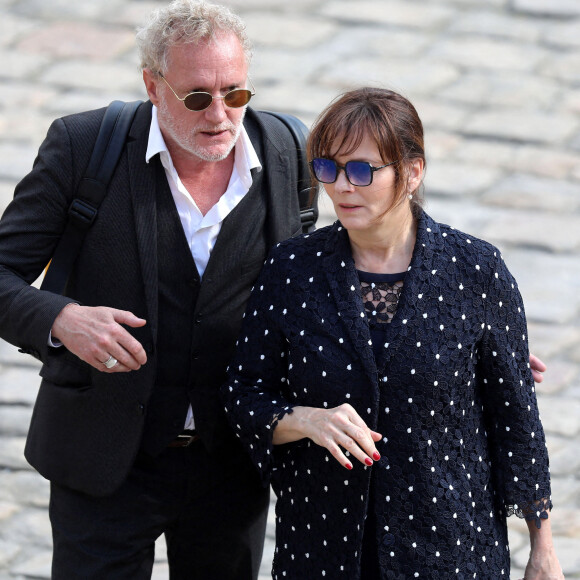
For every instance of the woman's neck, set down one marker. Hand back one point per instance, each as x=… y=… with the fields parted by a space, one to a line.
x=386 y=248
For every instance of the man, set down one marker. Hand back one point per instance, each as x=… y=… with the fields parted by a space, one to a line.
x=127 y=425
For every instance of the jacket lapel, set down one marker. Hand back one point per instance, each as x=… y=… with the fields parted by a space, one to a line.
x=345 y=290
x=144 y=180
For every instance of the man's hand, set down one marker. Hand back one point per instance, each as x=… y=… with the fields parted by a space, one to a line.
x=95 y=334
x=538 y=367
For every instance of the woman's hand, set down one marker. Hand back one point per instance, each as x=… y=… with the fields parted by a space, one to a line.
x=538 y=367
x=336 y=429
x=543 y=565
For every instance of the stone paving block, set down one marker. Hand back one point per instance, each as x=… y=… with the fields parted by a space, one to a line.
x=560 y=416
x=528 y=192
x=31 y=127
x=16 y=160
x=31 y=526
x=524 y=126
x=446 y=178
x=557 y=9
x=440 y=116
x=37 y=566
x=553 y=232
x=90 y=75
x=7 y=510
x=503 y=89
x=27 y=488
x=9 y=355
x=430 y=16
x=564 y=67
x=564 y=458
x=409 y=77
x=19 y=386
x=563 y=35
x=441 y=146
x=289 y=31
x=85 y=100
x=12 y=453
x=78 y=40
x=14 y=420
x=17 y=66
x=6 y=194
x=12 y=27
x=8 y=552
x=64 y=9
x=563 y=273
x=26 y=96
x=488 y=54
x=532 y=160
x=551 y=340
x=499 y=24
x=559 y=377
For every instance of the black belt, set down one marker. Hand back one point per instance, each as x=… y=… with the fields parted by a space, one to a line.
x=184 y=439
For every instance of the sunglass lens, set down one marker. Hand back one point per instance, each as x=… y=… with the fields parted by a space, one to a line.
x=238 y=98
x=324 y=170
x=197 y=101
x=358 y=172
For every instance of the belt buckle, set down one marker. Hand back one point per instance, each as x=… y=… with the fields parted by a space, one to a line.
x=186 y=440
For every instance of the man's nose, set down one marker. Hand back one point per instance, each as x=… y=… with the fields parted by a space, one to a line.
x=216 y=112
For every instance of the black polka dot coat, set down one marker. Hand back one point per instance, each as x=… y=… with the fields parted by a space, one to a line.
x=451 y=393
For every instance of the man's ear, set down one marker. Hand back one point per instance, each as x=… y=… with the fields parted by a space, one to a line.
x=151 y=85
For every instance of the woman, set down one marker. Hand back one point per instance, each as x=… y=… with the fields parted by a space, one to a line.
x=394 y=347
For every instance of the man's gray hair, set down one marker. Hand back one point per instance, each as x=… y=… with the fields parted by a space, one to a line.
x=184 y=22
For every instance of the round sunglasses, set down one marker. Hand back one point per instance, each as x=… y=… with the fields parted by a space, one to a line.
x=358 y=173
x=200 y=100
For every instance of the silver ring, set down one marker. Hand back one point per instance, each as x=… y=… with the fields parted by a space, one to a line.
x=110 y=362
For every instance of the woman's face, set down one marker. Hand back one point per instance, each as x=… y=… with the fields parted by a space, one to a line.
x=363 y=207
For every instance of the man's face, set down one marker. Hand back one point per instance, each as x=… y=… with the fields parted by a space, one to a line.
x=216 y=67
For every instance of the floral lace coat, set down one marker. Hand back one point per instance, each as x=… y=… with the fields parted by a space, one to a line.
x=451 y=393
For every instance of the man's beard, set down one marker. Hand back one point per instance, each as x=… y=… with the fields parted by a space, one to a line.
x=186 y=139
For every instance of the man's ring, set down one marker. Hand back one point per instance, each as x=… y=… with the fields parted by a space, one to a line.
x=110 y=362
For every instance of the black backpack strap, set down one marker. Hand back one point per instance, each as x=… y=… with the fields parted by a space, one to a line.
x=307 y=194
x=91 y=192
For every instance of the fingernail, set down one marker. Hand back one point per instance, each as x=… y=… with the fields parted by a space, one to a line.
x=348 y=466
x=376 y=455
x=368 y=461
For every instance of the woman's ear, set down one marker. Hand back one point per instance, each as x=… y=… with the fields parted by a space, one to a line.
x=415 y=174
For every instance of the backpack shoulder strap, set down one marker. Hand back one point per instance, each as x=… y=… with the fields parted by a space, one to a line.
x=91 y=191
x=307 y=195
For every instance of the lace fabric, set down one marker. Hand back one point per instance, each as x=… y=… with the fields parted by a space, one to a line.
x=380 y=300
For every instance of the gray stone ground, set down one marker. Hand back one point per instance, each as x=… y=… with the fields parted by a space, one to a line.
x=497 y=83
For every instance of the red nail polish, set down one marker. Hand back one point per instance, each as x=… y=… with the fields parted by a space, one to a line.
x=368 y=461
x=348 y=466
x=376 y=455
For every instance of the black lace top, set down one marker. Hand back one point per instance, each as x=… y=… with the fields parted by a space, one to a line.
x=449 y=389
x=380 y=295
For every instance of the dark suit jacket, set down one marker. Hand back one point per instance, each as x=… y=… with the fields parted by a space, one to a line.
x=87 y=425
x=451 y=393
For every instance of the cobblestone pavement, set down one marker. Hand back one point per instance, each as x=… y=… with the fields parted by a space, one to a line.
x=497 y=83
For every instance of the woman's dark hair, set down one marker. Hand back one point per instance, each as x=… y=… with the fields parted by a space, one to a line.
x=387 y=117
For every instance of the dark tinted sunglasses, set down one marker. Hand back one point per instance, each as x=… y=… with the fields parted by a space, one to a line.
x=359 y=173
x=200 y=100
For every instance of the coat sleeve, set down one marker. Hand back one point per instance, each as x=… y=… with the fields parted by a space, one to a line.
x=518 y=446
x=254 y=391
x=29 y=231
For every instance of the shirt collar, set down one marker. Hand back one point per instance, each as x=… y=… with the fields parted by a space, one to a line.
x=245 y=156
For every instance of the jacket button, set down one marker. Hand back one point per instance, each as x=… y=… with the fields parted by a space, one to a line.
x=388 y=540
x=140 y=409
